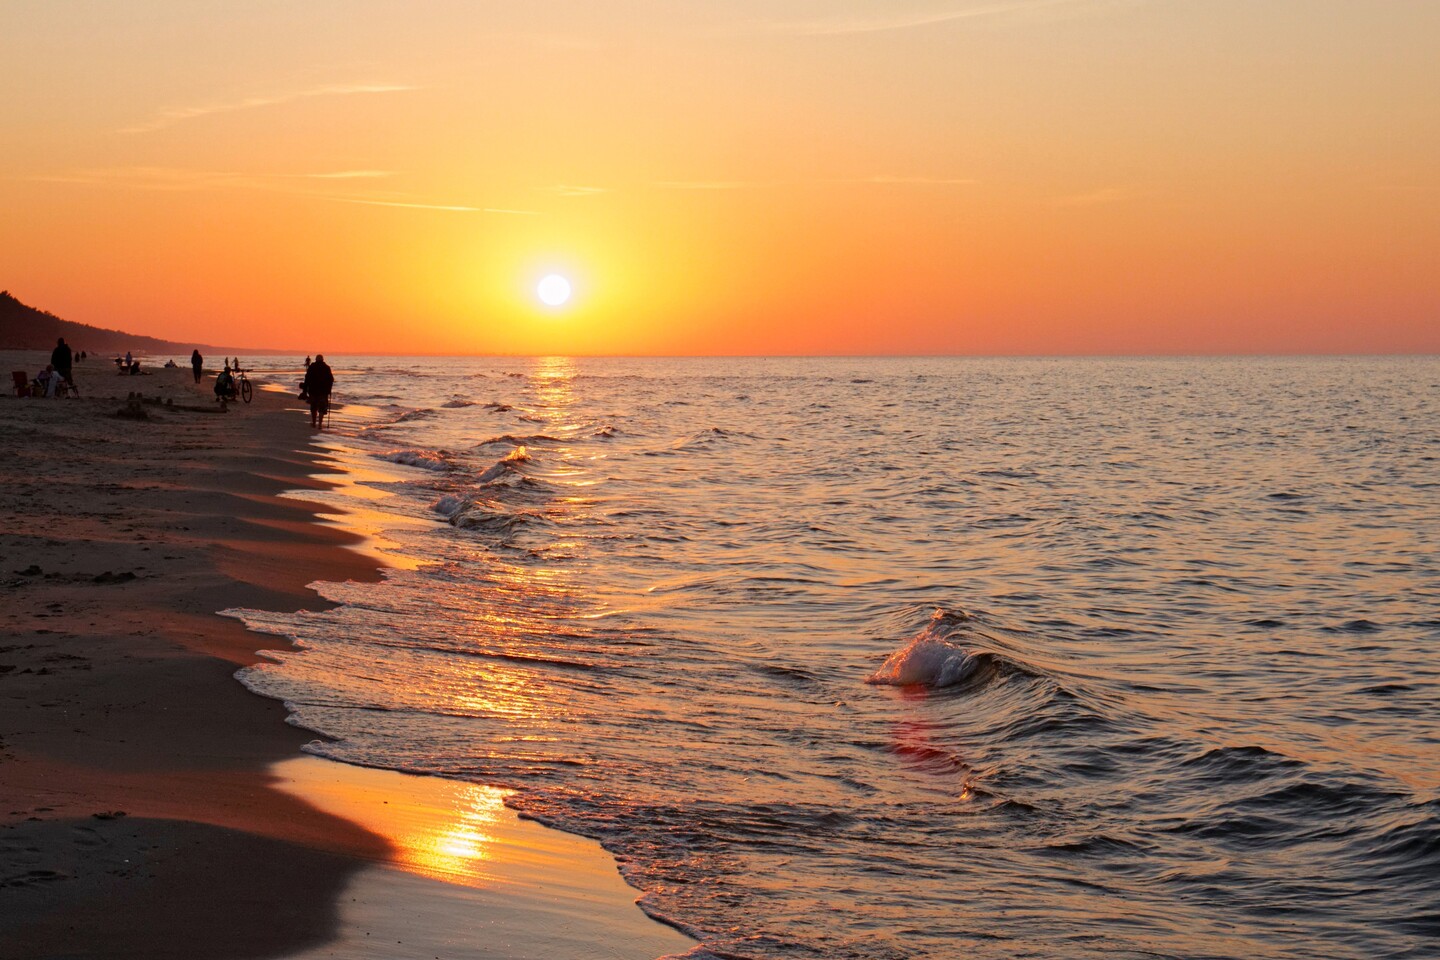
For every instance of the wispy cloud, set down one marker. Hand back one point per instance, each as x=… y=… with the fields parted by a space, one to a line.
x=878 y=179
x=348 y=175
x=152 y=178
x=709 y=184
x=902 y=20
x=572 y=190
x=180 y=114
x=175 y=178
x=911 y=181
x=171 y=178
x=446 y=207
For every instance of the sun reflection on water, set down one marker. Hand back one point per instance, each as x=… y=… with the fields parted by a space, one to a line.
x=553 y=379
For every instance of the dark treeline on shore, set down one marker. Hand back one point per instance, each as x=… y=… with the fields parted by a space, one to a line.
x=23 y=327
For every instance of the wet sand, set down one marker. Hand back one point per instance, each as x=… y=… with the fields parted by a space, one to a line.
x=150 y=805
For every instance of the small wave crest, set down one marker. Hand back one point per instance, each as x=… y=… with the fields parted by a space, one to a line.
x=465 y=513
x=504 y=466
x=932 y=658
x=437 y=460
x=512 y=440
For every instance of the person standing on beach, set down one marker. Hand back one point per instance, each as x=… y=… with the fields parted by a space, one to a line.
x=60 y=359
x=197 y=363
x=319 y=381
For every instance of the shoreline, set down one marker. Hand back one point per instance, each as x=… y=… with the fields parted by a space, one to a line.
x=149 y=803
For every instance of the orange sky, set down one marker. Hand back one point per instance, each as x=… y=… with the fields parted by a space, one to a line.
x=733 y=177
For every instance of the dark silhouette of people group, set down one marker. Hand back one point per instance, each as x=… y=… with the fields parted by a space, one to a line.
x=58 y=378
x=315 y=389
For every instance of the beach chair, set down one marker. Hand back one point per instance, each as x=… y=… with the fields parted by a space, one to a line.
x=21 y=380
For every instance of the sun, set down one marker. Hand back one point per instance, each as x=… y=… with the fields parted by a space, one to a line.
x=553 y=290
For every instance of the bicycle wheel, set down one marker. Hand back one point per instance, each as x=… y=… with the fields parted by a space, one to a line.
x=246 y=391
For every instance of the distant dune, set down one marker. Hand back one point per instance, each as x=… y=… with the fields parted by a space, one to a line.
x=23 y=327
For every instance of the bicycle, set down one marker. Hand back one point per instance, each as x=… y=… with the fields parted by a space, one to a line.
x=238 y=389
x=242 y=385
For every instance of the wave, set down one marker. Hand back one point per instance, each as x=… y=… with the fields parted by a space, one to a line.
x=510 y=439
x=437 y=460
x=465 y=513
x=499 y=407
x=945 y=653
x=708 y=437
x=457 y=403
x=504 y=466
x=932 y=658
x=424 y=413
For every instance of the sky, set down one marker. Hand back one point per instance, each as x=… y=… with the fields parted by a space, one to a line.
x=732 y=177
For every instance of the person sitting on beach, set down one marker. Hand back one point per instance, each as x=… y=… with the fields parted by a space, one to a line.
x=319 y=381
x=224 y=384
x=46 y=381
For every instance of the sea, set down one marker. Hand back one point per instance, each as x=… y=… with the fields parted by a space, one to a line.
x=896 y=658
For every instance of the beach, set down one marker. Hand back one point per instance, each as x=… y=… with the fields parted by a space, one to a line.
x=149 y=804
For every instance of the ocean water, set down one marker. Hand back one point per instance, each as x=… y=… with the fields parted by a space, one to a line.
x=893 y=658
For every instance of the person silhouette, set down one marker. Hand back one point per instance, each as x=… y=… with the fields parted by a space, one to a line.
x=319 y=381
x=197 y=363
x=61 y=358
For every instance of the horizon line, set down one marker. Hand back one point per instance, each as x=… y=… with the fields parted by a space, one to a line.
x=1236 y=355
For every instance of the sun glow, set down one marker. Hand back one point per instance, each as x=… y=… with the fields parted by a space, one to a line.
x=554 y=290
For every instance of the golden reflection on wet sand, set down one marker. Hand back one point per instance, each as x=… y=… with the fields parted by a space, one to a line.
x=449 y=830
x=468 y=879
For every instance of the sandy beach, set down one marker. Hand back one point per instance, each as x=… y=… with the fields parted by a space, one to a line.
x=149 y=804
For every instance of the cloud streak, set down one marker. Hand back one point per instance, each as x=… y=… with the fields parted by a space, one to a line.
x=883 y=23
x=175 y=179
x=347 y=175
x=446 y=207
x=710 y=184
x=573 y=190
x=878 y=180
x=176 y=115
x=885 y=179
